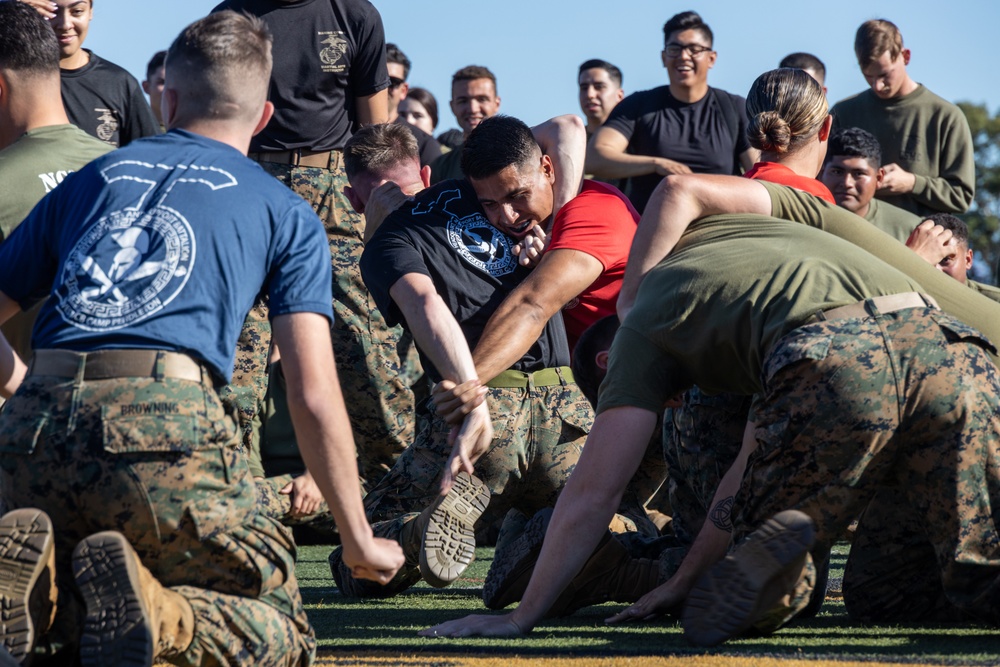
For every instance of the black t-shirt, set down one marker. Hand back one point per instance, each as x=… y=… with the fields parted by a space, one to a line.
x=428 y=146
x=697 y=135
x=444 y=234
x=106 y=102
x=327 y=53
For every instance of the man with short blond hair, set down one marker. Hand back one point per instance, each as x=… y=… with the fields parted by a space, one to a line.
x=157 y=530
x=926 y=143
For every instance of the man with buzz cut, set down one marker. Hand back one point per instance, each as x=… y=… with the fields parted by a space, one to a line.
x=130 y=495
x=474 y=98
x=809 y=64
x=927 y=148
x=853 y=172
x=330 y=79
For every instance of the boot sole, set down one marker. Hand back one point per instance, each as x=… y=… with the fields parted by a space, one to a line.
x=511 y=570
x=727 y=600
x=117 y=629
x=448 y=544
x=26 y=546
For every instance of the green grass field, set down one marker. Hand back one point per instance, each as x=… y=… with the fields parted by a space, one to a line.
x=348 y=630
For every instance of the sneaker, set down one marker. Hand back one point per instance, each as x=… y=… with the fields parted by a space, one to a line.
x=27 y=579
x=448 y=544
x=747 y=584
x=131 y=618
x=514 y=561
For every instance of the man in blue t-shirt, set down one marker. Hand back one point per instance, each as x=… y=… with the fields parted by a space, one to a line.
x=117 y=453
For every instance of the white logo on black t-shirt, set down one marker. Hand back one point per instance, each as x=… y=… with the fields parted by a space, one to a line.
x=108 y=125
x=477 y=241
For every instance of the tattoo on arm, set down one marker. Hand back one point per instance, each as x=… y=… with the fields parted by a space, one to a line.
x=722 y=514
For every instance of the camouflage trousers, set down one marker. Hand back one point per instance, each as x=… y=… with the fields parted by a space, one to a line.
x=245 y=392
x=375 y=376
x=901 y=407
x=700 y=442
x=539 y=433
x=158 y=461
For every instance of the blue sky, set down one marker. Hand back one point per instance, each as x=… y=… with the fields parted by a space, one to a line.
x=535 y=47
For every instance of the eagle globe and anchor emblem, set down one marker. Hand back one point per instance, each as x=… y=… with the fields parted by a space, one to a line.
x=132 y=262
x=336 y=47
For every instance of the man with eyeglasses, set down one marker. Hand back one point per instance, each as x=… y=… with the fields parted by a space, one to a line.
x=399 y=71
x=679 y=128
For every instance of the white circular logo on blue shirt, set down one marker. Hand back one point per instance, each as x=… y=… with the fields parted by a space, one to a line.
x=481 y=244
x=127 y=267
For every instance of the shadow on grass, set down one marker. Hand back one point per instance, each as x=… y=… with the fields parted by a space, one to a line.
x=346 y=625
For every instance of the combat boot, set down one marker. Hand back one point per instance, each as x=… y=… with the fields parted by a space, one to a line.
x=610 y=574
x=131 y=618
x=446 y=531
x=27 y=580
x=765 y=581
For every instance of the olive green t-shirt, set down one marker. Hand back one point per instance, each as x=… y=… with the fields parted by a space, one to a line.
x=954 y=298
x=38 y=161
x=732 y=287
x=989 y=291
x=29 y=169
x=892 y=220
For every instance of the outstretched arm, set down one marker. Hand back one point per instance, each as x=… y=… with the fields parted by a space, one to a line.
x=439 y=336
x=677 y=202
x=709 y=547
x=564 y=140
x=614 y=448
x=322 y=427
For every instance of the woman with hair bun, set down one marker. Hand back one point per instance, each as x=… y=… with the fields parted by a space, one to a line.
x=789 y=124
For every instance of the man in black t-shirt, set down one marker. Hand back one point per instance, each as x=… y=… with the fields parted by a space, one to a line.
x=439 y=267
x=100 y=97
x=679 y=128
x=329 y=78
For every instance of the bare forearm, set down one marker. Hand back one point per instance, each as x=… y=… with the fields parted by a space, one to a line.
x=715 y=535
x=510 y=332
x=564 y=140
x=373 y=109
x=609 y=163
x=435 y=330
x=613 y=451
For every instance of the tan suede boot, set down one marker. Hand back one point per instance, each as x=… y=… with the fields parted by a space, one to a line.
x=761 y=584
x=27 y=580
x=131 y=618
x=610 y=574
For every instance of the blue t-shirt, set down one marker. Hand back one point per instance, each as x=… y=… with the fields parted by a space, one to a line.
x=165 y=244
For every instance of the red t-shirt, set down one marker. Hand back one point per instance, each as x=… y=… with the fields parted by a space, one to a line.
x=601 y=222
x=772 y=172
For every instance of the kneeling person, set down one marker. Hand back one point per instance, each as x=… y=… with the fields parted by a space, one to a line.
x=117 y=453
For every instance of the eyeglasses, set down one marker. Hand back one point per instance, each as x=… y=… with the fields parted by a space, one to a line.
x=395 y=82
x=675 y=50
